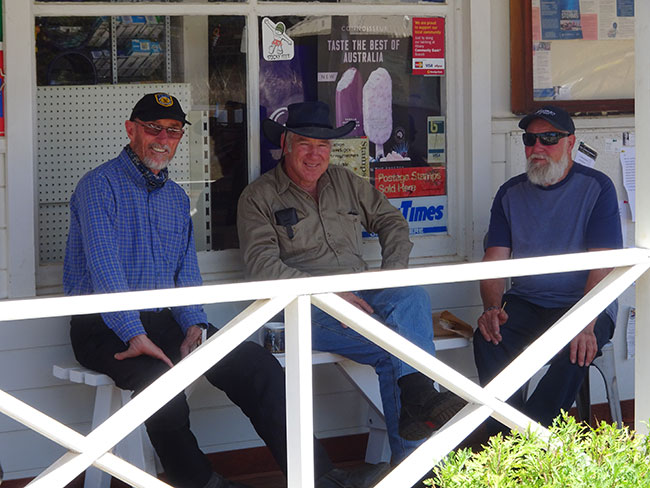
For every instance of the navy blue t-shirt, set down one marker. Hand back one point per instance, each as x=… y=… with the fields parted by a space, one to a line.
x=576 y=214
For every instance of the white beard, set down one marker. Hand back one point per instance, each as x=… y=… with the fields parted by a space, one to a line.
x=546 y=174
x=157 y=163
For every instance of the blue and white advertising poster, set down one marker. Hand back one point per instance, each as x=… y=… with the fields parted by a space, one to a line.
x=625 y=8
x=560 y=19
x=425 y=215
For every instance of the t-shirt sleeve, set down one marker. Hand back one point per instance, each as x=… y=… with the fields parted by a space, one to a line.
x=604 y=224
x=499 y=229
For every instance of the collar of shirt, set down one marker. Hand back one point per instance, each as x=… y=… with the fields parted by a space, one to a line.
x=153 y=181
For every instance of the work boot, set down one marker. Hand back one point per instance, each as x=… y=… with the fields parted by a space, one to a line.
x=365 y=476
x=424 y=410
x=218 y=481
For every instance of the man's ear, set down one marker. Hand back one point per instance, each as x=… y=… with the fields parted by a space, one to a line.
x=283 y=138
x=571 y=140
x=130 y=129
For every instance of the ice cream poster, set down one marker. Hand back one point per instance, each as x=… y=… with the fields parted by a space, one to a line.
x=428 y=46
x=364 y=73
x=425 y=215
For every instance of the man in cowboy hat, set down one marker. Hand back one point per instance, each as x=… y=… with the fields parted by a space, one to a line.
x=305 y=218
x=555 y=207
x=130 y=229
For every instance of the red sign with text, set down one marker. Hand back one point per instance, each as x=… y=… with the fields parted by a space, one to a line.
x=410 y=182
x=428 y=46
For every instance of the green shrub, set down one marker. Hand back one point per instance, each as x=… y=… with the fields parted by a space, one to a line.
x=575 y=456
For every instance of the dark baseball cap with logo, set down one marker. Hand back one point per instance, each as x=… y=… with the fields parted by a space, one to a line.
x=556 y=116
x=156 y=106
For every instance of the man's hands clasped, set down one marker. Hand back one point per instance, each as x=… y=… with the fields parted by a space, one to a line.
x=141 y=345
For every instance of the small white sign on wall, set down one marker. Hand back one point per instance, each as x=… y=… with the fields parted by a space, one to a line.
x=276 y=44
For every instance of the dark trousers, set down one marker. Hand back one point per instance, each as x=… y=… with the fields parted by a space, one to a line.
x=250 y=376
x=558 y=388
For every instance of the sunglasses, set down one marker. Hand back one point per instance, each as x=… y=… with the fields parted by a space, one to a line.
x=154 y=130
x=546 y=138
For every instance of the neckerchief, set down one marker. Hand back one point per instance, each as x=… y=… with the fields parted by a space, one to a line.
x=153 y=181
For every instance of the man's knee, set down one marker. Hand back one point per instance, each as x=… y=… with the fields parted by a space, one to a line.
x=248 y=362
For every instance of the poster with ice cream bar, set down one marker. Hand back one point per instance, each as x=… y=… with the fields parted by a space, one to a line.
x=364 y=74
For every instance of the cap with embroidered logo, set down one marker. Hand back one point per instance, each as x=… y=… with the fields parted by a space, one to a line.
x=158 y=106
x=555 y=116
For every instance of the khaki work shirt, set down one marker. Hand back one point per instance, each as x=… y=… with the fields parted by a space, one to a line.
x=326 y=237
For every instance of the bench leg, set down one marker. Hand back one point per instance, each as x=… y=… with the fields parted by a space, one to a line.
x=107 y=401
x=364 y=379
x=136 y=447
x=378 y=448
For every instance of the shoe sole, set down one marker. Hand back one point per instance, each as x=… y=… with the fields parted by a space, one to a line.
x=416 y=429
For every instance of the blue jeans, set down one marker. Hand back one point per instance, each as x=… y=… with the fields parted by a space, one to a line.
x=558 y=388
x=407 y=311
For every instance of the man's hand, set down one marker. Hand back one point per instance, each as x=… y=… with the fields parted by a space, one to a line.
x=141 y=345
x=357 y=301
x=583 y=347
x=490 y=322
x=192 y=340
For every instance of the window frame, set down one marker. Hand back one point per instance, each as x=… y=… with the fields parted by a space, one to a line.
x=219 y=266
x=521 y=72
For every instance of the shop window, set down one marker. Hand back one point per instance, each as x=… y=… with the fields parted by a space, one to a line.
x=90 y=73
x=578 y=55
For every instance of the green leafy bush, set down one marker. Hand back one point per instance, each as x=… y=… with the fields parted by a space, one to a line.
x=575 y=456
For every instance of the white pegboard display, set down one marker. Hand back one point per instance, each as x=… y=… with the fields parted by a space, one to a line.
x=79 y=128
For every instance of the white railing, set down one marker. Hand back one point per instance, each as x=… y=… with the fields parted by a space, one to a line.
x=296 y=296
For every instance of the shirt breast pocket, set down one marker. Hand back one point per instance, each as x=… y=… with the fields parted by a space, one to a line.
x=294 y=239
x=173 y=246
x=351 y=229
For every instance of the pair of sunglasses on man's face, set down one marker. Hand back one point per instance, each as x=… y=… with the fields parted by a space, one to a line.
x=155 y=129
x=546 y=138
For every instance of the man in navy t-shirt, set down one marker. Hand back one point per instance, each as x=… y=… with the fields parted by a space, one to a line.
x=556 y=207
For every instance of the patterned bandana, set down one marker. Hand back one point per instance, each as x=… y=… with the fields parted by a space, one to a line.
x=153 y=181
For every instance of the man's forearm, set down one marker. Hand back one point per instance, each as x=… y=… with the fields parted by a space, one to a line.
x=492 y=292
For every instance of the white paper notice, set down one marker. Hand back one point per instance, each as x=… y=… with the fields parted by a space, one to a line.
x=585 y=155
x=542 y=81
x=629 y=332
x=628 y=157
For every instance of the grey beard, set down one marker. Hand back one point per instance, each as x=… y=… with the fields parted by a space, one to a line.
x=548 y=174
x=155 y=165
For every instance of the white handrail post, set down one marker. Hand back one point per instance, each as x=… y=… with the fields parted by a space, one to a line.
x=642 y=231
x=300 y=416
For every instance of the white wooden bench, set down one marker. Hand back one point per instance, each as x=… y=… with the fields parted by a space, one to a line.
x=136 y=448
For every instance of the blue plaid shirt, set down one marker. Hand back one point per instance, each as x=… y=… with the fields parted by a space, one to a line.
x=125 y=236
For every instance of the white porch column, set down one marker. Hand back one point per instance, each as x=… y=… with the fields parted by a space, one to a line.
x=479 y=125
x=642 y=123
x=20 y=98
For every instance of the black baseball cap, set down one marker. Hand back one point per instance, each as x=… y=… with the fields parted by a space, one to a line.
x=156 y=106
x=556 y=116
